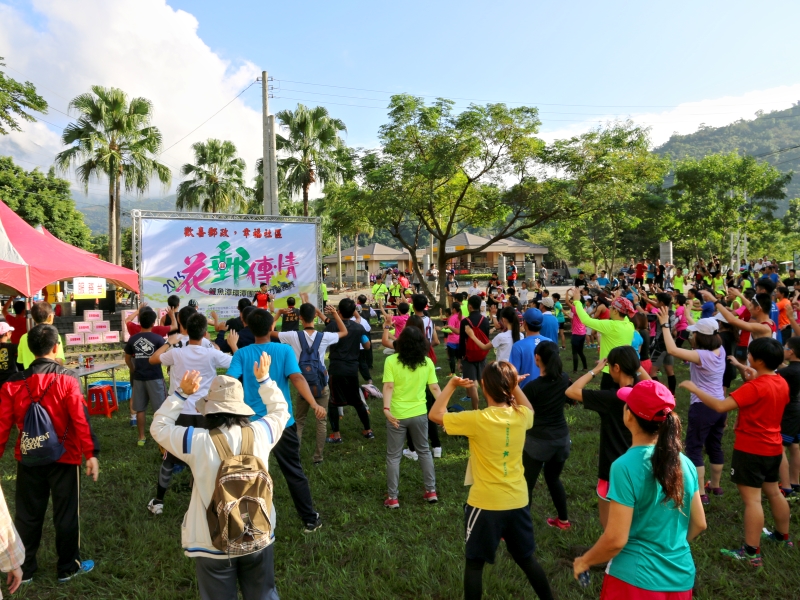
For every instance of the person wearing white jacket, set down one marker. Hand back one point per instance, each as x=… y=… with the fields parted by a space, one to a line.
x=223 y=407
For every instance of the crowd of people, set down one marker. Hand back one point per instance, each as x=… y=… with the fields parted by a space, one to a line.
x=652 y=482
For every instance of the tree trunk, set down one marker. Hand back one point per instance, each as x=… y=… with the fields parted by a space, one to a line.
x=355 y=262
x=118 y=216
x=305 y=199
x=112 y=222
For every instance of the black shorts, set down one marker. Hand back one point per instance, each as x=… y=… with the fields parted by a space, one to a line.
x=704 y=430
x=790 y=424
x=472 y=370
x=345 y=390
x=754 y=470
x=638 y=281
x=561 y=325
x=729 y=375
x=548 y=450
x=485 y=528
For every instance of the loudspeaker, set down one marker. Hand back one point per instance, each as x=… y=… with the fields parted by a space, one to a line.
x=109 y=303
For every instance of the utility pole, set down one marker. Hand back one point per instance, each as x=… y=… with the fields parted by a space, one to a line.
x=266 y=163
x=273 y=166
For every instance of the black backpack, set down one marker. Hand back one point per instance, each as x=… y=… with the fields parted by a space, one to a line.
x=310 y=364
x=38 y=443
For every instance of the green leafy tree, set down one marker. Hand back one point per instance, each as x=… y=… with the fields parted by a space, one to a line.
x=16 y=99
x=43 y=200
x=113 y=137
x=99 y=245
x=343 y=217
x=313 y=149
x=217 y=181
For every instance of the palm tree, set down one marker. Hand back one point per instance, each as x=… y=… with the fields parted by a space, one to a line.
x=113 y=137
x=286 y=206
x=217 y=183
x=313 y=147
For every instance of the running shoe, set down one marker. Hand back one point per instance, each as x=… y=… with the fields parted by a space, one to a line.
x=391 y=503
x=437 y=452
x=372 y=390
x=85 y=567
x=430 y=497
x=368 y=435
x=140 y=443
x=410 y=455
x=313 y=525
x=705 y=499
x=772 y=536
x=133 y=422
x=716 y=491
x=334 y=440
x=559 y=524
x=155 y=507
x=741 y=554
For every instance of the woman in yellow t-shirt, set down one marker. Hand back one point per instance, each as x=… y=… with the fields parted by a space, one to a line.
x=406 y=374
x=497 y=506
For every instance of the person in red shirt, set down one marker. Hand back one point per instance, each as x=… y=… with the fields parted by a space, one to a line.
x=758 y=447
x=60 y=395
x=641 y=269
x=162 y=330
x=261 y=299
x=18 y=320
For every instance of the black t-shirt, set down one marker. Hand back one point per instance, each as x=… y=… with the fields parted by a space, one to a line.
x=246 y=337
x=644 y=351
x=8 y=361
x=344 y=355
x=142 y=346
x=791 y=412
x=660 y=269
x=167 y=320
x=615 y=439
x=790 y=281
x=548 y=399
x=291 y=320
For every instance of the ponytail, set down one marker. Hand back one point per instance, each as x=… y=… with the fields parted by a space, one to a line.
x=549 y=355
x=666 y=458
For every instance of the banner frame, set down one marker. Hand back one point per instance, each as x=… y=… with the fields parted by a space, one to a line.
x=136 y=232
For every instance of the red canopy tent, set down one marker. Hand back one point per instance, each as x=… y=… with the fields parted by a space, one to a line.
x=31 y=259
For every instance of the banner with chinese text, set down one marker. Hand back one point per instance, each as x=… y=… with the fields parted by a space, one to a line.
x=216 y=262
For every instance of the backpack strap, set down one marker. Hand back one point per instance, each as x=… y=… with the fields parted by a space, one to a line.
x=221 y=444
x=38 y=400
x=247 y=440
x=317 y=343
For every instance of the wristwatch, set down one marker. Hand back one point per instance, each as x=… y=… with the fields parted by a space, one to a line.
x=665 y=325
x=592 y=373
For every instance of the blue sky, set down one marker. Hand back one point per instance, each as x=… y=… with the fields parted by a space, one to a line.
x=667 y=65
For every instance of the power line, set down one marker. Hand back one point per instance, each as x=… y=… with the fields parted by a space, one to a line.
x=506 y=102
x=778 y=151
x=209 y=118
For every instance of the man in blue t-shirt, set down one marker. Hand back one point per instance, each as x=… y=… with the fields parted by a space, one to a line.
x=522 y=353
x=602 y=281
x=765 y=285
x=283 y=368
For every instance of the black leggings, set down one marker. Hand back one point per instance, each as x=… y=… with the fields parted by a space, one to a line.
x=433 y=429
x=346 y=391
x=451 y=357
x=473 y=578
x=552 y=477
x=577 y=342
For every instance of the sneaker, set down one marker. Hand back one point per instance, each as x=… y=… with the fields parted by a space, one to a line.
x=333 y=440
x=85 y=567
x=313 y=526
x=133 y=422
x=437 y=452
x=368 y=435
x=742 y=555
x=559 y=524
x=430 y=497
x=705 y=499
x=371 y=390
x=26 y=581
x=716 y=491
x=391 y=503
x=766 y=534
x=409 y=454
x=466 y=399
x=140 y=443
x=155 y=506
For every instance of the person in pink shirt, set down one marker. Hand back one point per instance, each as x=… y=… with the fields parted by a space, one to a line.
x=680 y=315
x=452 y=328
x=399 y=320
x=578 y=336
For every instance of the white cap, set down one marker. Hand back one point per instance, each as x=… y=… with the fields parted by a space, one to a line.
x=705 y=326
x=720 y=317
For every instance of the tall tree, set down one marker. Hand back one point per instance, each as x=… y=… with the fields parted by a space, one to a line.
x=313 y=148
x=218 y=179
x=113 y=137
x=43 y=200
x=16 y=99
x=342 y=217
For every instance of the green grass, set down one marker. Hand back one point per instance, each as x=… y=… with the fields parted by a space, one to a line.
x=364 y=551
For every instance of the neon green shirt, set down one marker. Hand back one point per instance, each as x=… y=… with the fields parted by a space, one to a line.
x=719 y=284
x=679 y=283
x=380 y=291
x=615 y=333
x=26 y=357
x=324 y=289
x=408 y=396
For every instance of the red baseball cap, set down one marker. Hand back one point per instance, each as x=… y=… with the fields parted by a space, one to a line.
x=649 y=400
x=623 y=306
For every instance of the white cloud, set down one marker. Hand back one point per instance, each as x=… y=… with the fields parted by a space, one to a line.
x=141 y=46
x=684 y=118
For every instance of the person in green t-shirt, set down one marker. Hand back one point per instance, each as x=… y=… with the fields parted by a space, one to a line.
x=679 y=281
x=324 y=289
x=379 y=291
x=406 y=374
x=41 y=313
x=655 y=509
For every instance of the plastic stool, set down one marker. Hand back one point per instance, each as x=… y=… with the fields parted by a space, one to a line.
x=102 y=400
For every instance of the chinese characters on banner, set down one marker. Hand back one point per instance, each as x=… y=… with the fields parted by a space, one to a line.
x=218 y=262
x=88 y=287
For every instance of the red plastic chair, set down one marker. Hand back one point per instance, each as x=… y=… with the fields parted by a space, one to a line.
x=102 y=400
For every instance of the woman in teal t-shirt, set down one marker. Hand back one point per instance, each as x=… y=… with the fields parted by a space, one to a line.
x=655 y=505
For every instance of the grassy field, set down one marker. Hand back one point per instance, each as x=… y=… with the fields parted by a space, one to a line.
x=364 y=551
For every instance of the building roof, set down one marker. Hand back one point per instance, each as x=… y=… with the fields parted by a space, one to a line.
x=465 y=240
x=372 y=251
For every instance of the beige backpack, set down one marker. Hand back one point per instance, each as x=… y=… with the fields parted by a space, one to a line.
x=239 y=511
